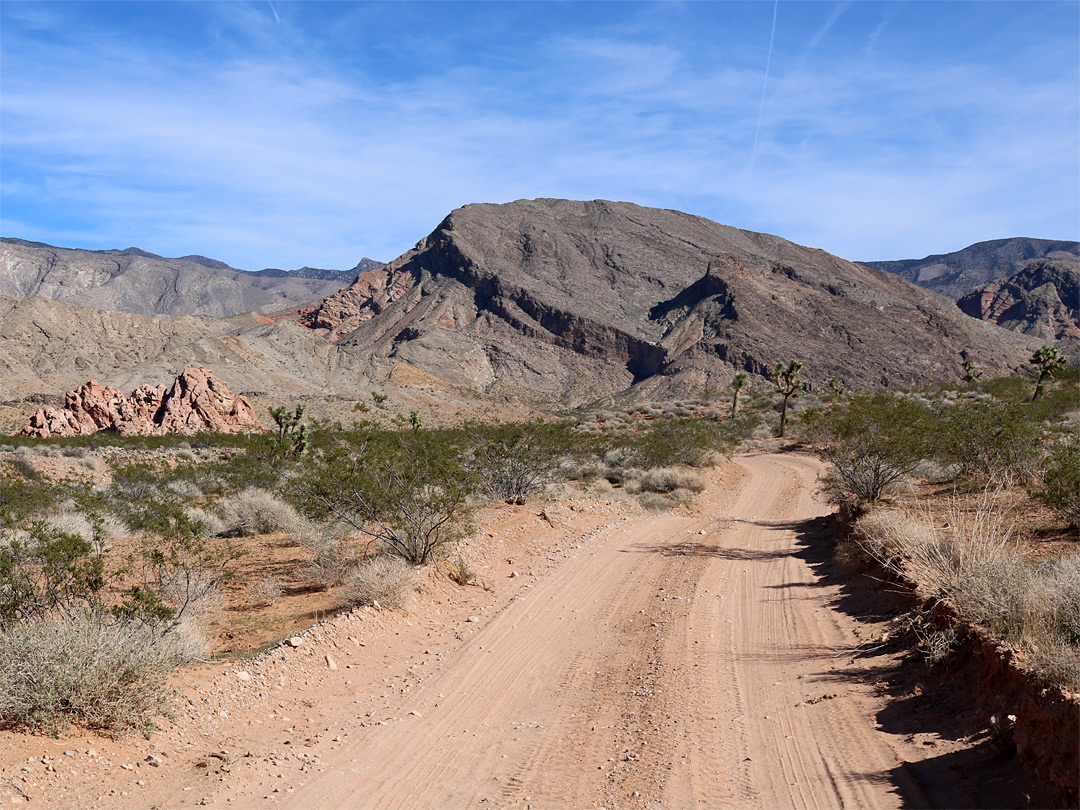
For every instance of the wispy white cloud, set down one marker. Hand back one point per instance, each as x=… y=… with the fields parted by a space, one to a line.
x=263 y=148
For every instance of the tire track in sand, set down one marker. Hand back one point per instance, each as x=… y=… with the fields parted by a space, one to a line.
x=658 y=668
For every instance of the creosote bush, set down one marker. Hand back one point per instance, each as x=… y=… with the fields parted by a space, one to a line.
x=407 y=490
x=514 y=460
x=1060 y=484
x=872 y=442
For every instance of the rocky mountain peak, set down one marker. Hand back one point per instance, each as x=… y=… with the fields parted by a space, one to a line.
x=1042 y=300
x=572 y=300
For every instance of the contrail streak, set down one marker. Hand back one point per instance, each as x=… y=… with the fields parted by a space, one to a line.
x=765 y=84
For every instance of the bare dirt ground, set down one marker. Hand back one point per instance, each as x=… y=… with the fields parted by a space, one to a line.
x=709 y=657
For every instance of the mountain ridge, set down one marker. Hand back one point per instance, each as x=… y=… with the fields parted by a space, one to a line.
x=963 y=271
x=522 y=294
x=134 y=280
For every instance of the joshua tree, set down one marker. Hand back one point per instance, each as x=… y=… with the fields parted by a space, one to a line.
x=737 y=384
x=292 y=436
x=836 y=387
x=970 y=374
x=789 y=385
x=1049 y=361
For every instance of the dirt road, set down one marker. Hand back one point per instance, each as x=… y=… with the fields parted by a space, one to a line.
x=673 y=662
x=613 y=659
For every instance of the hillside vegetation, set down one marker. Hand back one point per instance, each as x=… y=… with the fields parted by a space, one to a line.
x=119 y=550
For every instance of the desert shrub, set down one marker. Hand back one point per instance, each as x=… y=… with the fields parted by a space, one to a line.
x=405 y=489
x=333 y=557
x=514 y=460
x=462 y=573
x=871 y=441
x=935 y=472
x=72 y=523
x=669 y=479
x=1060 y=489
x=386 y=578
x=656 y=502
x=889 y=535
x=687 y=441
x=45 y=570
x=256 y=511
x=975 y=566
x=266 y=590
x=211 y=523
x=990 y=441
x=87 y=668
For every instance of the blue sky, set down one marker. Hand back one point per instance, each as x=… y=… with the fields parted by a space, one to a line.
x=282 y=134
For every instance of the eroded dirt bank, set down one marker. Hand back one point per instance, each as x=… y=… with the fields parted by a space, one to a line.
x=704 y=658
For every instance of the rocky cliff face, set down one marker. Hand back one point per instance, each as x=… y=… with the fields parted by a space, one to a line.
x=575 y=300
x=963 y=271
x=1042 y=300
x=135 y=281
x=197 y=401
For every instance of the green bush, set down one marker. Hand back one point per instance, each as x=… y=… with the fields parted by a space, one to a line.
x=872 y=442
x=405 y=489
x=989 y=441
x=1060 y=488
x=688 y=441
x=514 y=460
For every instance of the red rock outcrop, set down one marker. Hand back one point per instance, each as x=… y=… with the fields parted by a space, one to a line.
x=1042 y=300
x=197 y=401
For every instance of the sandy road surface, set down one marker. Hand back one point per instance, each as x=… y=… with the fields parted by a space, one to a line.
x=707 y=658
x=673 y=662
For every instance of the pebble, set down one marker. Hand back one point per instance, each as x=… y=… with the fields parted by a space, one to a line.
x=295 y=641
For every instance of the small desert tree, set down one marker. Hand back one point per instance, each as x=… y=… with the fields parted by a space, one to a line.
x=788 y=384
x=405 y=489
x=871 y=441
x=1048 y=360
x=836 y=387
x=738 y=382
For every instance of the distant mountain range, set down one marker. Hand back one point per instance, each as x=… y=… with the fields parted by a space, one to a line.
x=963 y=271
x=546 y=301
x=134 y=280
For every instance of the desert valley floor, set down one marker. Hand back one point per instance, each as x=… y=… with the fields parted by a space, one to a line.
x=606 y=657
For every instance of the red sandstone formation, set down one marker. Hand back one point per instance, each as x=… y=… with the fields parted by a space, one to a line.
x=197 y=401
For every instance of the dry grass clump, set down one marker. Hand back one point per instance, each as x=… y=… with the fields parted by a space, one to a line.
x=333 y=557
x=655 y=502
x=256 y=511
x=970 y=560
x=669 y=479
x=385 y=578
x=69 y=521
x=211 y=523
x=88 y=669
x=266 y=591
